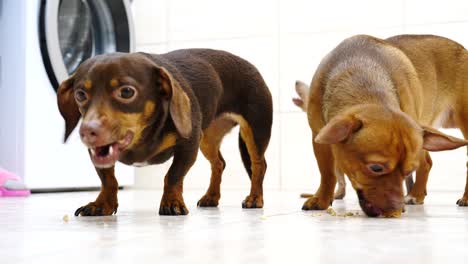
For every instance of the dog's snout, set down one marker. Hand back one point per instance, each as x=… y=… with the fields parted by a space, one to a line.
x=91 y=131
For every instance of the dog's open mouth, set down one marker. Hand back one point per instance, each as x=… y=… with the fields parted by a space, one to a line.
x=105 y=156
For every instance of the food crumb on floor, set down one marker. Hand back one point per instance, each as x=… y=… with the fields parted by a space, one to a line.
x=348 y=214
x=331 y=212
x=65 y=218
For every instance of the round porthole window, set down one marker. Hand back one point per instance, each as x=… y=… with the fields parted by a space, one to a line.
x=72 y=31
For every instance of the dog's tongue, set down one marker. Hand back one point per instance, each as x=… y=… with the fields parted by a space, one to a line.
x=105 y=156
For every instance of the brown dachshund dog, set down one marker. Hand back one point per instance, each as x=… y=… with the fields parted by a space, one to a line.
x=143 y=109
x=371 y=106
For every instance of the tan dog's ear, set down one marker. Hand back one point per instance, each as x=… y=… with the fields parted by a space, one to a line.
x=338 y=129
x=179 y=107
x=67 y=106
x=435 y=140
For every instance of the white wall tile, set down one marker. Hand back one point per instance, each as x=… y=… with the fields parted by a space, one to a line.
x=152 y=48
x=303 y=16
x=214 y=19
x=150 y=19
x=420 y=12
x=449 y=168
x=151 y=177
x=454 y=31
x=299 y=169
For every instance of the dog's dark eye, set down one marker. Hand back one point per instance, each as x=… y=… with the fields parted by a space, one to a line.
x=80 y=96
x=377 y=169
x=125 y=93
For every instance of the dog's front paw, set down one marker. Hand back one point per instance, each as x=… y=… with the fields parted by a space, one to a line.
x=173 y=206
x=414 y=200
x=252 y=201
x=208 y=201
x=315 y=203
x=97 y=209
x=463 y=201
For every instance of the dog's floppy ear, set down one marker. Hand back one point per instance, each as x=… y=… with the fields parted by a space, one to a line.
x=435 y=140
x=67 y=106
x=179 y=105
x=338 y=129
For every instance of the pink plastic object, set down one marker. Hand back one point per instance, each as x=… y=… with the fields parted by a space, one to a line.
x=8 y=189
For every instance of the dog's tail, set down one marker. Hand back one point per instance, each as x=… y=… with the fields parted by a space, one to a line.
x=302 y=90
x=306 y=195
x=245 y=156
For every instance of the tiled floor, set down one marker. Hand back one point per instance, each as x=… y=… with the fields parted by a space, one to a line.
x=32 y=230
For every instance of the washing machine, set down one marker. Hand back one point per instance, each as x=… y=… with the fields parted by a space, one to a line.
x=42 y=42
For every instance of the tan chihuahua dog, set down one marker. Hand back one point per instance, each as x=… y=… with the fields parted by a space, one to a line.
x=371 y=106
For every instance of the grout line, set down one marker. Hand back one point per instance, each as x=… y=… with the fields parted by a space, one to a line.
x=403 y=25
x=437 y=23
x=239 y=37
x=151 y=44
x=279 y=117
x=168 y=25
x=403 y=6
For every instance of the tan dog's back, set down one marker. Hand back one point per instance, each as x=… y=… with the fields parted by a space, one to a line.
x=361 y=70
x=441 y=65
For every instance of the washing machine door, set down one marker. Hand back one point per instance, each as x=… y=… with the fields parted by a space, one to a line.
x=72 y=31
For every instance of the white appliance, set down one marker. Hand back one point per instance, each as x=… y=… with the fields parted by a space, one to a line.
x=41 y=43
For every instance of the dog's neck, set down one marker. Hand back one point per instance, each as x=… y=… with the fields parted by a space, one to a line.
x=357 y=81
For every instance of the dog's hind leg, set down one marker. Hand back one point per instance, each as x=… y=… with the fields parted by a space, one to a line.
x=340 y=191
x=409 y=182
x=464 y=200
x=255 y=132
x=209 y=146
x=418 y=192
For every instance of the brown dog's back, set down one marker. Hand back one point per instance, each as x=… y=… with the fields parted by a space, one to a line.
x=226 y=78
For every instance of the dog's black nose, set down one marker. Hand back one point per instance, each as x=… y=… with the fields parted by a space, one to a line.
x=367 y=207
x=90 y=131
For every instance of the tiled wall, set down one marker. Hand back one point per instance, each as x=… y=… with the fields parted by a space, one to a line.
x=286 y=40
